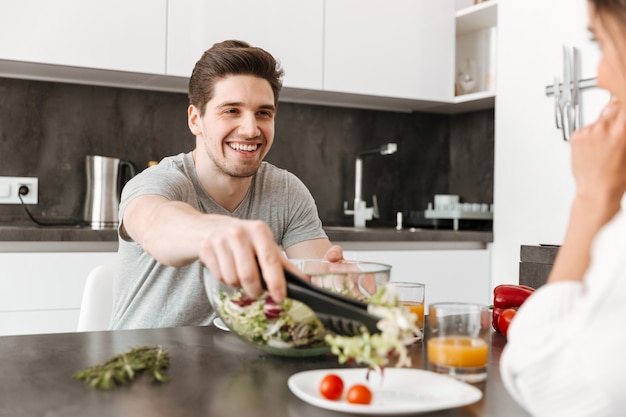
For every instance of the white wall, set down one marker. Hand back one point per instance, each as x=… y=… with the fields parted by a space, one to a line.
x=533 y=185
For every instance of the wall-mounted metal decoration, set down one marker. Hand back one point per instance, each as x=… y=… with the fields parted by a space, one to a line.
x=567 y=95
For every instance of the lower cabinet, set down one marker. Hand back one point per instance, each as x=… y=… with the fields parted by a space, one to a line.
x=450 y=275
x=42 y=292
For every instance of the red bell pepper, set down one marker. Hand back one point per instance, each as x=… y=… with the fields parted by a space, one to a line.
x=507 y=296
x=495 y=315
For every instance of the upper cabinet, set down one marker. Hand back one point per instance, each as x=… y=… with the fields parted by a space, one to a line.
x=401 y=55
x=105 y=35
x=398 y=49
x=291 y=31
x=476 y=38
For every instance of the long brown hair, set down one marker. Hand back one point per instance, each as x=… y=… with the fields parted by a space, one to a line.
x=231 y=57
x=614 y=7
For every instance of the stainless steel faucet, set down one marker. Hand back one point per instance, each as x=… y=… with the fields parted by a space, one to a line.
x=361 y=212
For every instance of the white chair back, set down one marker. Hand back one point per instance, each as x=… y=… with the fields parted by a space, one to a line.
x=97 y=302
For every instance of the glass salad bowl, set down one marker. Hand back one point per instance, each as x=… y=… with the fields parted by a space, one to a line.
x=291 y=328
x=356 y=279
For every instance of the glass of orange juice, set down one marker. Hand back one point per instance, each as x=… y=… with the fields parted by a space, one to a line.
x=411 y=295
x=458 y=340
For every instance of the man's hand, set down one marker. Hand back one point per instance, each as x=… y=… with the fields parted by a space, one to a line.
x=236 y=249
x=334 y=254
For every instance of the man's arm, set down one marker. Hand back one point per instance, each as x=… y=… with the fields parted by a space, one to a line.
x=176 y=234
x=315 y=249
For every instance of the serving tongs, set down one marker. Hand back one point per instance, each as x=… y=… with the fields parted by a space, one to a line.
x=340 y=314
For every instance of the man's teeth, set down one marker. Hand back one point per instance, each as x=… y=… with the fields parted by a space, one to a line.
x=240 y=147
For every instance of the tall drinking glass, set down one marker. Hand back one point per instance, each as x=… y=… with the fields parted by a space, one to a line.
x=411 y=295
x=458 y=340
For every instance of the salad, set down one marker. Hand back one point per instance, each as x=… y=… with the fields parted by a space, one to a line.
x=290 y=324
x=387 y=348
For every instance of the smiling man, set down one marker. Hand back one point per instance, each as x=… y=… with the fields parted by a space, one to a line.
x=220 y=205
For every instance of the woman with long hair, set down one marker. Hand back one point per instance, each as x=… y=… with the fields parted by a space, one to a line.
x=565 y=348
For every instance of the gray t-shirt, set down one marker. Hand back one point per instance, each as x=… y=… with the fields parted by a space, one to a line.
x=149 y=294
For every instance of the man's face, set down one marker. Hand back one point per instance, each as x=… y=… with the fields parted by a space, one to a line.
x=237 y=128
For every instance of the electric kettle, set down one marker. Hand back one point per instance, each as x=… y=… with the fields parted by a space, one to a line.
x=105 y=179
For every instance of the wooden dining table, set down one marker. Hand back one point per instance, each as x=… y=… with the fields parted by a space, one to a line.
x=211 y=373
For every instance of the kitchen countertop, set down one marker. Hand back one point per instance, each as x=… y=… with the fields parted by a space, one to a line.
x=21 y=237
x=31 y=238
x=33 y=233
x=211 y=372
x=369 y=238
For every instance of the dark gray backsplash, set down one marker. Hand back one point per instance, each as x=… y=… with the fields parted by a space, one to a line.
x=46 y=129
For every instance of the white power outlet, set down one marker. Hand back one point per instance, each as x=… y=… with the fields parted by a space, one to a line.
x=10 y=190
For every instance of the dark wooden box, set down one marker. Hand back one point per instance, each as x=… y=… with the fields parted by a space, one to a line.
x=536 y=263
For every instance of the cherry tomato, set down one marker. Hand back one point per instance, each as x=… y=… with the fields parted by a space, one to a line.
x=331 y=387
x=505 y=320
x=359 y=394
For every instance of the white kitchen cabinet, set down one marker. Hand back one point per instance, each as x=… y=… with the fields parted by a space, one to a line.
x=475 y=53
x=42 y=292
x=397 y=56
x=111 y=35
x=402 y=48
x=450 y=275
x=291 y=31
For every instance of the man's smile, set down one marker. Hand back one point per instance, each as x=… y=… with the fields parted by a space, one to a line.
x=244 y=147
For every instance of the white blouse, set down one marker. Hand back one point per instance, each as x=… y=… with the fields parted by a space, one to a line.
x=566 y=349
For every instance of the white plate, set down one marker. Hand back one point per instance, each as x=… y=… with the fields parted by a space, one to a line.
x=399 y=391
x=217 y=322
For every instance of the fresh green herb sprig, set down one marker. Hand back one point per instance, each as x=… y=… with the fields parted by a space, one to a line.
x=122 y=369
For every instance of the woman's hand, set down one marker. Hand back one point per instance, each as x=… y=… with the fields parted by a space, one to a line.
x=599 y=158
